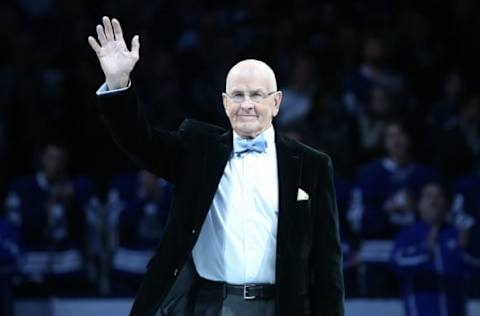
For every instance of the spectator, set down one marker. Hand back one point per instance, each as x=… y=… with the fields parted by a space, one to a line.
x=373 y=71
x=297 y=96
x=428 y=257
x=383 y=202
x=137 y=210
x=51 y=210
x=385 y=190
x=445 y=110
x=372 y=121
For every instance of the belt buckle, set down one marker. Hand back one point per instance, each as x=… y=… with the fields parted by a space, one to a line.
x=245 y=293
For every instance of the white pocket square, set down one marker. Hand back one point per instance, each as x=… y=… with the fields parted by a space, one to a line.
x=302 y=195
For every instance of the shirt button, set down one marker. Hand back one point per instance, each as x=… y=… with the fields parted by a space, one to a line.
x=175 y=272
x=193 y=231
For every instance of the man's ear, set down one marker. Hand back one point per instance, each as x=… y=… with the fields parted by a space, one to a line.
x=224 y=101
x=277 y=100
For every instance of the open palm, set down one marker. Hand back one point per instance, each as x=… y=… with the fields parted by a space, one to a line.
x=116 y=60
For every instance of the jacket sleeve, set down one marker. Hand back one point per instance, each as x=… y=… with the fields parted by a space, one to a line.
x=328 y=289
x=151 y=148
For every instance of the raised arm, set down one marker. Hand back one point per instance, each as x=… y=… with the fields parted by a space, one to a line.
x=150 y=147
x=116 y=60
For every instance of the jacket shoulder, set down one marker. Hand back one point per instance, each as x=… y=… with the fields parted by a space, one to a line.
x=308 y=151
x=194 y=128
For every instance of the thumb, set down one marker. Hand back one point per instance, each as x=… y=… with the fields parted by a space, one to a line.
x=136 y=46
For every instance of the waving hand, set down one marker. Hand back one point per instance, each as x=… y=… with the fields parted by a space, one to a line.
x=116 y=60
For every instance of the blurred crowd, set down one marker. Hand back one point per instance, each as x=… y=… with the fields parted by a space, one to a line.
x=388 y=88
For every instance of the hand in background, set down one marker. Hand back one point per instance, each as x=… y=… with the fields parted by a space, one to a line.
x=116 y=60
x=402 y=201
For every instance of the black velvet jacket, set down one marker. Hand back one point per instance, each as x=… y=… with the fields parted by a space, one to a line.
x=308 y=255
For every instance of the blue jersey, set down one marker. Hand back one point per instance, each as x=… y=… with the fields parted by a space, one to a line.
x=433 y=280
x=136 y=220
x=376 y=183
x=140 y=217
x=53 y=230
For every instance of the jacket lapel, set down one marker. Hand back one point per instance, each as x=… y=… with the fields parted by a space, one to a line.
x=289 y=165
x=214 y=161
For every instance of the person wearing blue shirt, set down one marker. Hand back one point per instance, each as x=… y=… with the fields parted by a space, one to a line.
x=137 y=210
x=429 y=259
x=382 y=202
x=51 y=211
x=385 y=190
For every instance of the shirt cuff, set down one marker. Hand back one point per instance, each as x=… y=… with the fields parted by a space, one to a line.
x=104 y=89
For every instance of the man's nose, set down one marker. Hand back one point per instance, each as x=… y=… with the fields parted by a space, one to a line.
x=247 y=105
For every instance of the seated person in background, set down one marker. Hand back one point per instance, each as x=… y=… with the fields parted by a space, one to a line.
x=9 y=255
x=137 y=211
x=51 y=210
x=385 y=190
x=429 y=257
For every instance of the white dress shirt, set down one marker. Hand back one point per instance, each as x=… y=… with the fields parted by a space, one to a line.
x=237 y=243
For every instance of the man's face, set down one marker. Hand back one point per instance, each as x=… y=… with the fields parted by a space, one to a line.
x=250 y=101
x=379 y=105
x=433 y=204
x=53 y=162
x=396 y=141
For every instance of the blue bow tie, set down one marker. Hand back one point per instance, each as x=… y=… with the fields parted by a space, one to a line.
x=244 y=145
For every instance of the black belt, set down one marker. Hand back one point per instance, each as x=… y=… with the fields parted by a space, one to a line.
x=248 y=291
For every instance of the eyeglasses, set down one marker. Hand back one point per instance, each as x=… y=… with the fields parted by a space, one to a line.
x=254 y=96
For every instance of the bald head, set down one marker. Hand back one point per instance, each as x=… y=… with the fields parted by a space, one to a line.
x=251 y=99
x=254 y=70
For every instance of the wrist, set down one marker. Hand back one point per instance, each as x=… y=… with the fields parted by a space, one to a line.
x=117 y=83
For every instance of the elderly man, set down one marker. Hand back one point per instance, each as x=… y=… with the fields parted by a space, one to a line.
x=253 y=227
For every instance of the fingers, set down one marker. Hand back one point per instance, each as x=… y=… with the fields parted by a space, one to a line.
x=117 y=30
x=93 y=43
x=107 y=25
x=135 y=46
x=101 y=35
